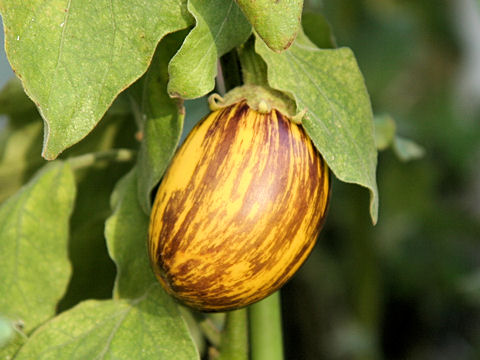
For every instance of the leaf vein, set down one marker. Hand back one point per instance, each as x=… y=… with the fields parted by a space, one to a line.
x=60 y=47
x=213 y=43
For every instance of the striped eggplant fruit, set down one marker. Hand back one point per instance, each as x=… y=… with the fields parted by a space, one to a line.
x=239 y=209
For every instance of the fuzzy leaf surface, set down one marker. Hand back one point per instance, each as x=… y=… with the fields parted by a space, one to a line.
x=34 y=227
x=276 y=22
x=75 y=57
x=161 y=118
x=329 y=86
x=143 y=328
x=126 y=232
x=220 y=26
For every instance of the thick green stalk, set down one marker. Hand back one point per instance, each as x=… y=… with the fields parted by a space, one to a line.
x=254 y=69
x=266 y=341
x=234 y=342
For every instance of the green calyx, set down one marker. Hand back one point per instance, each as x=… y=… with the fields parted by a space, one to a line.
x=259 y=98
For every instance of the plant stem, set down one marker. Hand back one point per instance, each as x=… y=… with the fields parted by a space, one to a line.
x=234 y=343
x=254 y=69
x=118 y=155
x=266 y=340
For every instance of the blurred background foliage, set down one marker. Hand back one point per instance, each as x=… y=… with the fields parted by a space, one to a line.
x=408 y=288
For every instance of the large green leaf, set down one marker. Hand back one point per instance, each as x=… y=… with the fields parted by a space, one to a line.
x=142 y=328
x=14 y=343
x=34 y=226
x=75 y=57
x=276 y=21
x=161 y=117
x=126 y=232
x=93 y=270
x=329 y=86
x=220 y=26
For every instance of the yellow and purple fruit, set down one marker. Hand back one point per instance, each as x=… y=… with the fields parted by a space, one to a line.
x=239 y=209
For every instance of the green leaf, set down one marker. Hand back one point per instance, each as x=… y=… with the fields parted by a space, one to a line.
x=220 y=26
x=126 y=232
x=9 y=350
x=161 y=118
x=75 y=57
x=20 y=139
x=385 y=137
x=93 y=270
x=385 y=129
x=276 y=22
x=143 y=328
x=34 y=226
x=329 y=86
x=10 y=341
x=116 y=130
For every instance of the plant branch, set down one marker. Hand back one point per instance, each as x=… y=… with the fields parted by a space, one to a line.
x=118 y=155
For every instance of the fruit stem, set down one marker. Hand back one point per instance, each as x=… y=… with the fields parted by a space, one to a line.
x=254 y=69
x=118 y=155
x=266 y=341
x=234 y=342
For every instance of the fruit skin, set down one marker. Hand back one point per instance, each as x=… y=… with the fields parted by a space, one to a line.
x=239 y=209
